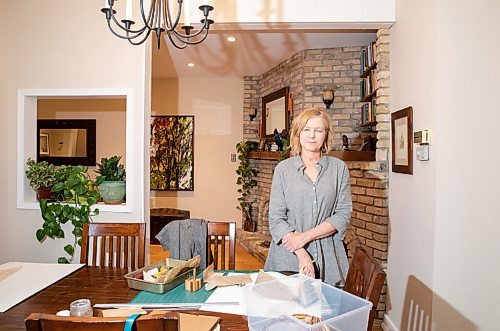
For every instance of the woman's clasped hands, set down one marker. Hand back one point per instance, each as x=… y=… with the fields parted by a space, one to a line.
x=294 y=240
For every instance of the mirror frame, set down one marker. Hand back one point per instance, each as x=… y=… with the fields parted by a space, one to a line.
x=283 y=92
x=87 y=124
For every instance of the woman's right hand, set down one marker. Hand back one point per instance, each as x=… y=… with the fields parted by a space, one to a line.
x=306 y=264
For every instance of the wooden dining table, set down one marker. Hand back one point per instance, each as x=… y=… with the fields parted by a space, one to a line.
x=100 y=285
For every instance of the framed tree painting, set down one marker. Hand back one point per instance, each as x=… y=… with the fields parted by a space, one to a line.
x=172 y=153
x=402 y=141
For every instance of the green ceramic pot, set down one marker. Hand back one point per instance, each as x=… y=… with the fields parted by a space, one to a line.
x=112 y=193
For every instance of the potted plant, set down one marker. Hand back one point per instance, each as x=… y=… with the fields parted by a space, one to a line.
x=246 y=179
x=111 y=181
x=75 y=193
x=42 y=176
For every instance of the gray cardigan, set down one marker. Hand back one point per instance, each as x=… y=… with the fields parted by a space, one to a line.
x=185 y=239
x=297 y=204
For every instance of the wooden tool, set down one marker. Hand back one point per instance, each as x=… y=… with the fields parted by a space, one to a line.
x=192 y=284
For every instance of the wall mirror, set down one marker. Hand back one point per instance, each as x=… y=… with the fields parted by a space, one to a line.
x=67 y=142
x=275 y=113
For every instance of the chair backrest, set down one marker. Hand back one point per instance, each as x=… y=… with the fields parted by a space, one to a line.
x=114 y=243
x=48 y=322
x=365 y=279
x=221 y=244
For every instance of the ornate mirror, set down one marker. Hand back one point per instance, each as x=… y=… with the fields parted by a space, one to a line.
x=275 y=113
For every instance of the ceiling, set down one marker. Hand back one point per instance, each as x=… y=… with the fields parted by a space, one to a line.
x=252 y=54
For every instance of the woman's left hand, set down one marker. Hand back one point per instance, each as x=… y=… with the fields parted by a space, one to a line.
x=294 y=241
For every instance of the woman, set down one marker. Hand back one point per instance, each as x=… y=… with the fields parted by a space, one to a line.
x=310 y=204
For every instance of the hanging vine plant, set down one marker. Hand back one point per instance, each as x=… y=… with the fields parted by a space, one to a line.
x=75 y=194
x=246 y=178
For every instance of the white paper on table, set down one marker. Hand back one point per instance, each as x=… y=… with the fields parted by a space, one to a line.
x=275 y=307
x=232 y=294
x=32 y=278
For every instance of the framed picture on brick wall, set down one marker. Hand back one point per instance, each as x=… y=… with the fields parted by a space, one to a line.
x=402 y=141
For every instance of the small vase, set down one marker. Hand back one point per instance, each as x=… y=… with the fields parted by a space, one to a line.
x=44 y=192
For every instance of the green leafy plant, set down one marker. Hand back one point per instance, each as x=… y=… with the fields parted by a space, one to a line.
x=40 y=174
x=285 y=153
x=110 y=169
x=73 y=186
x=246 y=177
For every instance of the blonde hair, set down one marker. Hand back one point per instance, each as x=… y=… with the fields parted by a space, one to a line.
x=300 y=122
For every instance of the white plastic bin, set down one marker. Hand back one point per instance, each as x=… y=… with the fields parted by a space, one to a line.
x=271 y=306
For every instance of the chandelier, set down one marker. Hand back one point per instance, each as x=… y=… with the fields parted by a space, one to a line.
x=158 y=19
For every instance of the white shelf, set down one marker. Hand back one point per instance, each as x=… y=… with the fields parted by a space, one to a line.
x=103 y=208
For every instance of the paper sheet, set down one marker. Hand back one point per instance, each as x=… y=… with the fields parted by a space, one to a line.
x=233 y=293
x=33 y=277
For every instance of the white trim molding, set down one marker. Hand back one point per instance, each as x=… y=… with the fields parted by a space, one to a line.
x=388 y=325
x=26 y=135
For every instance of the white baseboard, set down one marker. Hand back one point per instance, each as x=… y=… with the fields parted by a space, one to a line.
x=388 y=325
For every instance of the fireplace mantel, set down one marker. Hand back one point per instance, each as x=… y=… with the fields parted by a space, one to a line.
x=342 y=155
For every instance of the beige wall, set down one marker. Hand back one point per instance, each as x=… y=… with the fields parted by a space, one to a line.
x=5 y=199
x=217 y=106
x=165 y=96
x=62 y=55
x=110 y=116
x=444 y=218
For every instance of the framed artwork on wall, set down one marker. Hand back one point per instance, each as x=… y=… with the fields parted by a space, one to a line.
x=402 y=141
x=44 y=144
x=172 y=153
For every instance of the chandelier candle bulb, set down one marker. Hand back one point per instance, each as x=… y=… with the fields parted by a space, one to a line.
x=187 y=12
x=128 y=10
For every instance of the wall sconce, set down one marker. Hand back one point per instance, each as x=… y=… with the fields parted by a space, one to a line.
x=252 y=112
x=328 y=96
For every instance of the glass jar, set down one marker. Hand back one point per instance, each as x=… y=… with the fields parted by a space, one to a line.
x=80 y=307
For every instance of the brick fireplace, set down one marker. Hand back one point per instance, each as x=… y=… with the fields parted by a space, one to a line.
x=307 y=73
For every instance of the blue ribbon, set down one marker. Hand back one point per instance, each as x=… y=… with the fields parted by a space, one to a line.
x=129 y=323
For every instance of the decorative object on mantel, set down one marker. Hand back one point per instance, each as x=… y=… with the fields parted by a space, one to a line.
x=111 y=180
x=75 y=193
x=246 y=179
x=278 y=140
x=402 y=141
x=172 y=153
x=345 y=143
x=328 y=97
x=159 y=19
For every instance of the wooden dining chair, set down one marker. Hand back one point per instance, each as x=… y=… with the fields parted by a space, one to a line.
x=49 y=322
x=115 y=245
x=365 y=279
x=221 y=240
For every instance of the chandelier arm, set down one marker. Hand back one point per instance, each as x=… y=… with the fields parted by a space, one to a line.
x=124 y=36
x=196 y=42
x=181 y=35
x=148 y=22
x=168 y=19
x=174 y=43
x=124 y=28
x=136 y=43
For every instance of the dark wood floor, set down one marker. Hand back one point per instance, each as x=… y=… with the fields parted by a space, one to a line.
x=244 y=260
